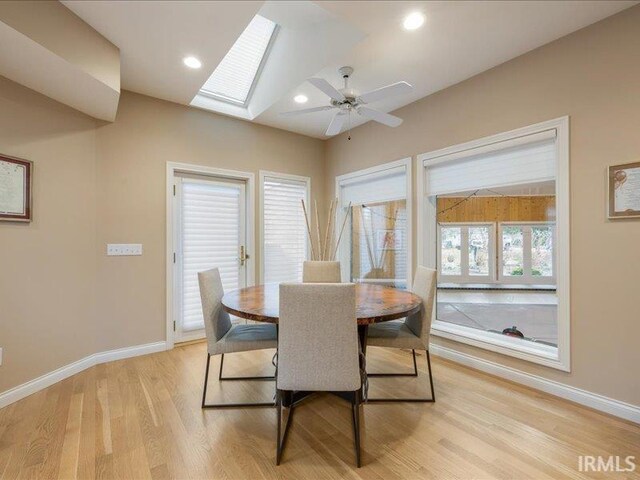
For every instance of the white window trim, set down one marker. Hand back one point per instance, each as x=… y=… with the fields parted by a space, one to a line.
x=467 y=278
x=172 y=169
x=370 y=174
x=560 y=357
x=285 y=176
x=526 y=279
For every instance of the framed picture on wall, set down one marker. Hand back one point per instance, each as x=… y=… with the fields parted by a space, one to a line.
x=624 y=191
x=16 y=177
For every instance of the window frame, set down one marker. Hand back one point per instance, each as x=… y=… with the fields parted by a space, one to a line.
x=182 y=334
x=172 y=170
x=262 y=175
x=373 y=173
x=464 y=254
x=555 y=357
x=526 y=279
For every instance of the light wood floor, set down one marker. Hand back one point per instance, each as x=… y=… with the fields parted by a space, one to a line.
x=141 y=418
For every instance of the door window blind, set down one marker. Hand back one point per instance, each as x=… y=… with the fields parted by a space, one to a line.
x=211 y=230
x=285 y=234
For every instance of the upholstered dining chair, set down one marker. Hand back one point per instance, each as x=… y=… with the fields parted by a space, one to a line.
x=223 y=337
x=318 y=349
x=411 y=333
x=321 y=272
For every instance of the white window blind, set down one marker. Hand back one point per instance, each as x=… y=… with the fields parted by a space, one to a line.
x=211 y=231
x=527 y=159
x=285 y=234
x=235 y=75
x=384 y=186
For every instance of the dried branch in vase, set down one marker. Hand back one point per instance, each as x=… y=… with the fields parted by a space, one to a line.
x=328 y=249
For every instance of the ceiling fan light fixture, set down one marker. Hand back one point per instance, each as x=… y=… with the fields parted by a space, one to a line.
x=413 y=21
x=300 y=98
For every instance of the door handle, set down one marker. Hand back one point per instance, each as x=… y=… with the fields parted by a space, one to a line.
x=243 y=256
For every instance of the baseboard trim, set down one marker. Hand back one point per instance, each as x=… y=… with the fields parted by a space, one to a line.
x=608 y=405
x=32 y=386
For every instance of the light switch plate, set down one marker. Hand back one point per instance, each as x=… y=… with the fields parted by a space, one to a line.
x=124 y=249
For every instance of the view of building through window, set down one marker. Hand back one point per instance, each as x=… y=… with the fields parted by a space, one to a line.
x=496 y=260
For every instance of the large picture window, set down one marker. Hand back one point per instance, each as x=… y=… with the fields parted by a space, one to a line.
x=494 y=220
x=376 y=245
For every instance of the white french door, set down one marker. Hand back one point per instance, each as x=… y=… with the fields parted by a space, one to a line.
x=210 y=230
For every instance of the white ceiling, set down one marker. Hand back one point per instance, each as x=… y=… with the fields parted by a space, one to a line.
x=458 y=40
x=154 y=37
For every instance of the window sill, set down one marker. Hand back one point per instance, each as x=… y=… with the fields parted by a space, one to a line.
x=495 y=286
x=530 y=351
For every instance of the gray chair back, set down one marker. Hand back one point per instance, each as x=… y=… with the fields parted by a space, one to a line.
x=321 y=272
x=216 y=321
x=318 y=347
x=424 y=285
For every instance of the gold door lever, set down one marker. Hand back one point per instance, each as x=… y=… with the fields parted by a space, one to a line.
x=243 y=256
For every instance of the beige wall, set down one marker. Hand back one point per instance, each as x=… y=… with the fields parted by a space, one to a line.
x=47 y=268
x=58 y=29
x=132 y=158
x=593 y=76
x=61 y=297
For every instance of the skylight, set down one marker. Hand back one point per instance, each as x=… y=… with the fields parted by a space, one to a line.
x=234 y=78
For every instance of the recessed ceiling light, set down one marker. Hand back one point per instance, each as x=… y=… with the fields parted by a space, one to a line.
x=300 y=99
x=413 y=21
x=192 y=62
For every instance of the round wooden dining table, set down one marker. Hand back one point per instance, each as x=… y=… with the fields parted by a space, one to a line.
x=374 y=303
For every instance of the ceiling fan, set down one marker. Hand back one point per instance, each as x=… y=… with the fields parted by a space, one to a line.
x=346 y=100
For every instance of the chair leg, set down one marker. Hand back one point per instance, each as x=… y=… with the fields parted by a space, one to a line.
x=414 y=374
x=282 y=438
x=355 y=416
x=225 y=405
x=417 y=400
x=433 y=393
x=206 y=380
x=279 y=421
x=225 y=379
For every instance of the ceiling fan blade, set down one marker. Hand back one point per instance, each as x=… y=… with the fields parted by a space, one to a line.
x=398 y=88
x=293 y=113
x=327 y=88
x=336 y=123
x=380 y=117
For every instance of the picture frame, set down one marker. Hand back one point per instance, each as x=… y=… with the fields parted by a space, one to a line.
x=623 y=191
x=16 y=181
